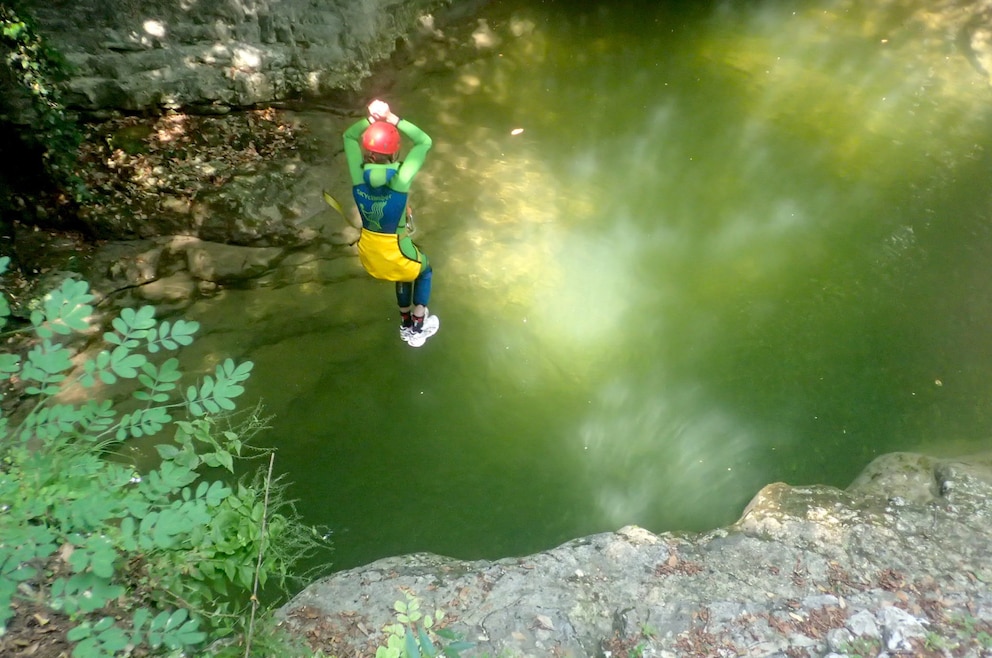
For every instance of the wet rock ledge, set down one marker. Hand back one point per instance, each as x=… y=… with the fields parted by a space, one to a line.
x=898 y=564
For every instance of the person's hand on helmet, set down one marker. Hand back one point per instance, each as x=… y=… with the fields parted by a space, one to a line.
x=379 y=111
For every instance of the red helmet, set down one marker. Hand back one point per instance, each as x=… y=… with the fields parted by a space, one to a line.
x=381 y=137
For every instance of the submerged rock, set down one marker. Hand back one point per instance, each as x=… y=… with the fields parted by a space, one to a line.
x=896 y=563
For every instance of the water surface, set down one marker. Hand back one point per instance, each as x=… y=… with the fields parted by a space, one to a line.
x=680 y=253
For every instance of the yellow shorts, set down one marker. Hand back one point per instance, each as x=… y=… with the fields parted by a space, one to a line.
x=389 y=256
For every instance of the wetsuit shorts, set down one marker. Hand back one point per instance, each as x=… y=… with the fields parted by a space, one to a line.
x=390 y=256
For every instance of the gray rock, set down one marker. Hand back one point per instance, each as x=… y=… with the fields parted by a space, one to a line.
x=222 y=263
x=179 y=288
x=902 y=476
x=863 y=624
x=839 y=639
x=138 y=269
x=161 y=53
x=899 y=628
x=806 y=569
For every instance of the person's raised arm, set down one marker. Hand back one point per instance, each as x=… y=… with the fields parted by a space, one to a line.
x=414 y=160
x=353 y=149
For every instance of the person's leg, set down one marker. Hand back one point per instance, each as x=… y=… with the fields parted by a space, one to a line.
x=422 y=284
x=421 y=296
x=404 y=296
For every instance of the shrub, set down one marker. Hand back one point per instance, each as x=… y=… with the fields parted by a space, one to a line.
x=36 y=72
x=419 y=635
x=165 y=559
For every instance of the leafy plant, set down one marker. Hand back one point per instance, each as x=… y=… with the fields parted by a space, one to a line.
x=936 y=642
x=861 y=647
x=972 y=630
x=37 y=70
x=416 y=635
x=164 y=559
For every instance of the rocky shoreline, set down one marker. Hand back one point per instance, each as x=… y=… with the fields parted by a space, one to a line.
x=280 y=230
x=895 y=565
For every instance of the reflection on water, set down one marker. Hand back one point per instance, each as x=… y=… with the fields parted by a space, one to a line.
x=680 y=253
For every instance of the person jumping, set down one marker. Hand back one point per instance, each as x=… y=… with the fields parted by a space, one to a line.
x=381 y=187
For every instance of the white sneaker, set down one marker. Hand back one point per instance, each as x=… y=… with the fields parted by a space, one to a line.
x=429 y=328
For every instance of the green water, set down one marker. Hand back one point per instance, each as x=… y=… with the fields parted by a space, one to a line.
x=732 y=245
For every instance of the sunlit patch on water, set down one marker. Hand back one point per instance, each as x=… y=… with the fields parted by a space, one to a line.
x=566 y=292
x=672 y=454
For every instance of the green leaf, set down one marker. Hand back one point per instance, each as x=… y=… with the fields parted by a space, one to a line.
x=95 y=417
x=112 y=640
x=167 y=451
x=140 y=618
x=171 y=336
x=215 y=394
x=103 y=558
x=454 y=649
x=13 y=31
x=168 y=528
x=174 y=630
x=426 y=646
x=127 y=540
x=225 y=459
x=67 y=308
x=103 y=624
x=141 y=320
x=9 y=364
x=161 y=378
x=186 y=635
x=124 y=364
x=124 y=427
x=410 y=645
x=80 y=632
x=38 y=321
x=216 y=493
x=169 y=371
x=183 y=330
x=242 y=372
x=45 y=363
x=176 y=619
x=87 y=592
x=155 y=629
x=174 y=476
x=141 y=423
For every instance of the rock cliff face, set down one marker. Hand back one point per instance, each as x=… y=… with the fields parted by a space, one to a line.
x=214 y=54
x=897 y=564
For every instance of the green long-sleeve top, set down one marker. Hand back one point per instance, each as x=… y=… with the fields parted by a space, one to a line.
x=381 y=190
